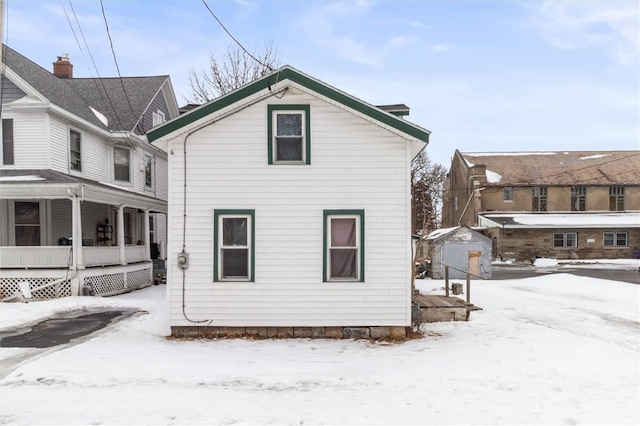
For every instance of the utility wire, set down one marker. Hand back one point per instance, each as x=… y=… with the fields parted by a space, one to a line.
x=234 y=39
x=115 y=60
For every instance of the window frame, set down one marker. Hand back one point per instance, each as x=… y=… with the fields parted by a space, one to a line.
x=614 y=240
x=113 y=165
x=41 y=221
x=578 y=198
x=360 y=244
x=218 y=216
x=272 y=112
x=539 y=197
x=564 y=240
x=149 y=160
x=616 y=198
x=72 y=166
x=157 y=118
x=507 y=193
x=8 y=146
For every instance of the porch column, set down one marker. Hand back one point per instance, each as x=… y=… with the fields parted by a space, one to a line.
x=76 y=233
x=123 y=256
x=147 y=242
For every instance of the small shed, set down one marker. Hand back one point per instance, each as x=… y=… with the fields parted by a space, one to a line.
x=462 y=249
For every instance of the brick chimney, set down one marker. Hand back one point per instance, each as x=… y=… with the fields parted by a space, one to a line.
x=62 y=68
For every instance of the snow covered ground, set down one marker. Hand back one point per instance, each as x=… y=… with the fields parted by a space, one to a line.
x=556 y=349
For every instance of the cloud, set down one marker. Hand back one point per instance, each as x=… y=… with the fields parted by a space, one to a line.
x=335 y=27
x=440 y=47
x=613 y=25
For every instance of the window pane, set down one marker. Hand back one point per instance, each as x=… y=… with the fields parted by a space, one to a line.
x=289 y=125
x=343 y=232
x=121 y=164
x=621 y=239
x=558 y=240
x=27 y=213
x=234 y=231
x=608 y=239
x=343 y=263
x=235 y=263
x=7 y=141
x=27 y=235
x=289 y=149
x=571 y=240
x=147 y=172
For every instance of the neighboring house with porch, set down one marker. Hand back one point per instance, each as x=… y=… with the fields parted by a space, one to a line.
x=560 y=204
x=289 y=212
x=83 y=195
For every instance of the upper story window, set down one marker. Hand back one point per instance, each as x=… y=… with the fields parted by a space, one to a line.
x=234 y=240
x=157 y=118
x=507 y=193
x=122 y=164
x=75 y=150
x=616 y=198
x=7 y=141
x=539 y=199
x=289 y=134
x=148 y=171
x=578 y=198
x=344 y=245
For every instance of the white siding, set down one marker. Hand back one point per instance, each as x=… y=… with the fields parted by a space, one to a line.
x=29 y=139
x=59 y=145
x=354 y=165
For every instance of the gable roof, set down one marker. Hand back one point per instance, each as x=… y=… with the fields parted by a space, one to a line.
x=77 y=95
x=558 y=167
x=289 y=73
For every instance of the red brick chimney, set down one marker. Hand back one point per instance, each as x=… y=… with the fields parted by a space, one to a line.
x=62 y=68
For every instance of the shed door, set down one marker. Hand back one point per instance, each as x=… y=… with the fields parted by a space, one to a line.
x=457 y=255
x=474 y=263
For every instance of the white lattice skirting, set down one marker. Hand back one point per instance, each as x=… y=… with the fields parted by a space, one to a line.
x=107 y=281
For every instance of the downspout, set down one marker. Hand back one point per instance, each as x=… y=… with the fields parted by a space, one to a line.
x=473 y=194
x=184 y=188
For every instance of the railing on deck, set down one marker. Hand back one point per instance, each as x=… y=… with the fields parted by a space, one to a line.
x=61 y=256
x=35 y=257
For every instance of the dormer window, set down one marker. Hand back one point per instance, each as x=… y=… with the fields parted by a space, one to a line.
x=289 y=134
x=157 y=118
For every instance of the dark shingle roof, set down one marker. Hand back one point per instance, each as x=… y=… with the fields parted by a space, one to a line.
x=559 y=167
x=77 y=95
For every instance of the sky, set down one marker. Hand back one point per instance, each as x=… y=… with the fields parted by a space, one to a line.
x=555 y=349
x=480 y=75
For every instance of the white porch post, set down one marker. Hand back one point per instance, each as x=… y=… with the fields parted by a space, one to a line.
x=76 y=233
x=123 y=259
x=147 y=242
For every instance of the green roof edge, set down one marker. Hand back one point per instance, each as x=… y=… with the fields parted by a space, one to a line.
x=288 y=73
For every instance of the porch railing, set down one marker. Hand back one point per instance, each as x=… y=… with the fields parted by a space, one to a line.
x=60 y=256
x=35 y=257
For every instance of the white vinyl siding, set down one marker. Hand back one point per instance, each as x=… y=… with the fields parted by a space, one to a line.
x=355 y=165
x=29 y=136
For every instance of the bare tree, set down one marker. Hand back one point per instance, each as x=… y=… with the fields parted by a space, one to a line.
x=427 y=186
x=233 y=69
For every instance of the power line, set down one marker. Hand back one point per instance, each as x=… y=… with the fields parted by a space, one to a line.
x=234 y=39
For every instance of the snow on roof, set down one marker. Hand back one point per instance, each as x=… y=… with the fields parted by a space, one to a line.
x=440 y=232
x=504 y=154
x=592 y=157
x=493 y=177
x=100 y=116
x=564 y=220
x=20 y=178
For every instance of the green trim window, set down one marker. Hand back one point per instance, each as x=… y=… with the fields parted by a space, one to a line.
x=343 y=243
x=75 y=153
x=565 y=240
x=289 y=134
x=616 y=239
x=234 y=242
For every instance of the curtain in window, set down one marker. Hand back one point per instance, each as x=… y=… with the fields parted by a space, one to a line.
x=121 y=164
x=343 y=252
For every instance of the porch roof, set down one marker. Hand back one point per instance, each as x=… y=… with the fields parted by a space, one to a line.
x=607 y=220
x=50 y=184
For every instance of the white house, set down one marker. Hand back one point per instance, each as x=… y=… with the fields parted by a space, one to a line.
x=289 y=212
x=83 y=195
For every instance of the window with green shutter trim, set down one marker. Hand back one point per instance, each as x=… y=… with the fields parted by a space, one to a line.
x=289 y=134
